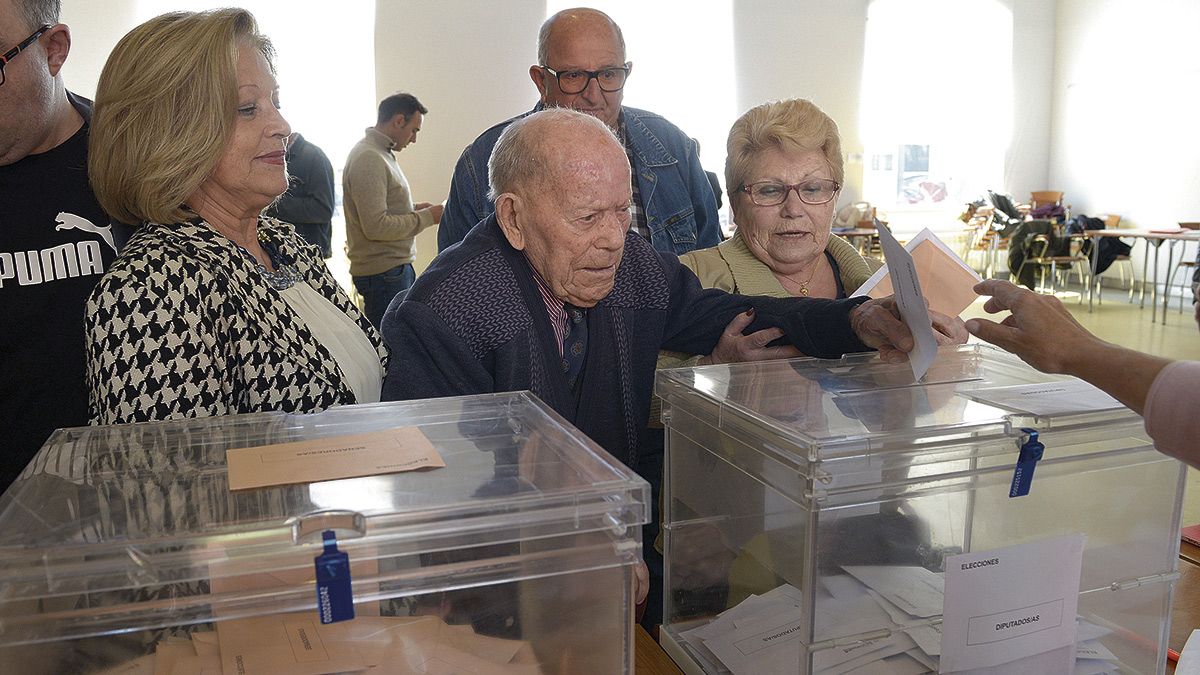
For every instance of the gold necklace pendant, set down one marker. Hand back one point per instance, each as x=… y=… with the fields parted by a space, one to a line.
x=802 y=286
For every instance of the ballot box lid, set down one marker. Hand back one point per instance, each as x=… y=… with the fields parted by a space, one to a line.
x=128 y=527
x=806 y=411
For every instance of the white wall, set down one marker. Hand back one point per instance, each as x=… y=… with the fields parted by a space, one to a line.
x=813 y=49
x=1026 y=167
x=1126 y=138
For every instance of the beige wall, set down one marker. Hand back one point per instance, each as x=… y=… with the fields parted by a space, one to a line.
x=810 y=50
x=95 y=29
x=467 y=61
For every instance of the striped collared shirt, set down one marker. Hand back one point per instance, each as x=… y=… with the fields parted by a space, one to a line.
x=556 y=310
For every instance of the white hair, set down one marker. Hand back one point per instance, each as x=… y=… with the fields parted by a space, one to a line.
x=520 y=156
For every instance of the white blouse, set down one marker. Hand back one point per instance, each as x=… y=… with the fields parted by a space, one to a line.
x=342 y=338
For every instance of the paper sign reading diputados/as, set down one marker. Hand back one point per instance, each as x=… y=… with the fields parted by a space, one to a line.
x=1013 y=603
x=400 y=449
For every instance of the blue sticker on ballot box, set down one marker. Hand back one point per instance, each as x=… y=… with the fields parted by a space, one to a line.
x=335 y=600
x=1031 y=452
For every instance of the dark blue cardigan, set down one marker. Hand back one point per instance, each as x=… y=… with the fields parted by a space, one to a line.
x=475 y=323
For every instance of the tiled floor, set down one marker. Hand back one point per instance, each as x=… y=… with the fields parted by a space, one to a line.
x=1129 y=325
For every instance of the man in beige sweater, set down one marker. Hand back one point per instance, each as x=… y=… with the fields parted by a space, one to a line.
x=381 y=218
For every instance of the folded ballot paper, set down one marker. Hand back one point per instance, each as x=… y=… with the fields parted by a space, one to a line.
x=876 y=619
x=298 y=644
x=902 y=272
x=945 y=279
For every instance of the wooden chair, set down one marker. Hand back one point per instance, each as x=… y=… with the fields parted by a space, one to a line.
x=1044 y=197
x=981 y=239
x=867 y=221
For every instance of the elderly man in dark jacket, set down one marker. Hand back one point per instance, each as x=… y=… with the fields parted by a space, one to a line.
x=553 y=293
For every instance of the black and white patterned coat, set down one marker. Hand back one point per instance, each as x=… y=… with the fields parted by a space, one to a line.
x=184 y=325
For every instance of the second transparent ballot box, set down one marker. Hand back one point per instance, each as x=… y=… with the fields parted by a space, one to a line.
x=124 y=550
x=821 y=514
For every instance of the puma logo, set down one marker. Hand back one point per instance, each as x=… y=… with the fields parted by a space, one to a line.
x=70 y=221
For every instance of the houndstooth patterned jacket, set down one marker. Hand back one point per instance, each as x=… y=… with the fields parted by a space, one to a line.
x=184 y=325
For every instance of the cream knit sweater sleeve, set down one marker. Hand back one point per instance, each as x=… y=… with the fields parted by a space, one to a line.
x=379 y=218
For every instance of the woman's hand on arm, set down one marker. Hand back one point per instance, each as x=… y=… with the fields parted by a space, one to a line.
x=735 y=347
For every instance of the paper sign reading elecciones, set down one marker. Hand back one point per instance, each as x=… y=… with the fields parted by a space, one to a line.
x=903 y=273
x=401 y=449
x=1011 y=603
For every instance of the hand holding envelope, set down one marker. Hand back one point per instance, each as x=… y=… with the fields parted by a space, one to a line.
x=946 y=281
x=915 y=339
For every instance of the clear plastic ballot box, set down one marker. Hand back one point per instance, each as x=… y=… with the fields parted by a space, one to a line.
x=820 y=516
x=124 y=550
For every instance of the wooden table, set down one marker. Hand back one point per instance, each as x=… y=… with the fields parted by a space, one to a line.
x=1185 y=612
x=649 y=658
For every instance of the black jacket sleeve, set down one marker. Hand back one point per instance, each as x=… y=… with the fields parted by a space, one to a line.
x=697 y=316
x=309 y=198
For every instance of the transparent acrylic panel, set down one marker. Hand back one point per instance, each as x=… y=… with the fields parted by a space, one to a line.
x=742 y=525
x=132 y=530
x=528 y=626
x=817 y=409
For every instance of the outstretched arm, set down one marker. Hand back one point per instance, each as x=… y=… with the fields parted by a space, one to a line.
x=1045 y=335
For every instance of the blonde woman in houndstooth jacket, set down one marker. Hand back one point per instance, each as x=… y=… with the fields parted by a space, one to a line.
x=211 y=308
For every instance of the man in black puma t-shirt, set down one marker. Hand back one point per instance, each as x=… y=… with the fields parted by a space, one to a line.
x=55 y=240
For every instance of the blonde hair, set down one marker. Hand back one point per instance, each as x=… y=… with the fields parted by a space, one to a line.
x=794 y=124
x=165 y=108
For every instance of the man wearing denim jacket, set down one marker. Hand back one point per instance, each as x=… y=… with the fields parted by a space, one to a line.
x=581 y=57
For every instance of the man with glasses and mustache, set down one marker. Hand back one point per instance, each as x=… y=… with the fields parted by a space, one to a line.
x=55 y=240
x=581 y=65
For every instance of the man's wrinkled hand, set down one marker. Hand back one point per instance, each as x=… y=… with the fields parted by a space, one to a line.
x=877 y=324
x=1040 y=330
x=949 y=330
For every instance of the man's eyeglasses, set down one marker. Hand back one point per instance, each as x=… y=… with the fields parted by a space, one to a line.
x=770 y=193
x=575 y=81
x=12 y=53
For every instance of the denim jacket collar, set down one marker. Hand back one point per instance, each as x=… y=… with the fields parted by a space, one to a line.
x=649 y=149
